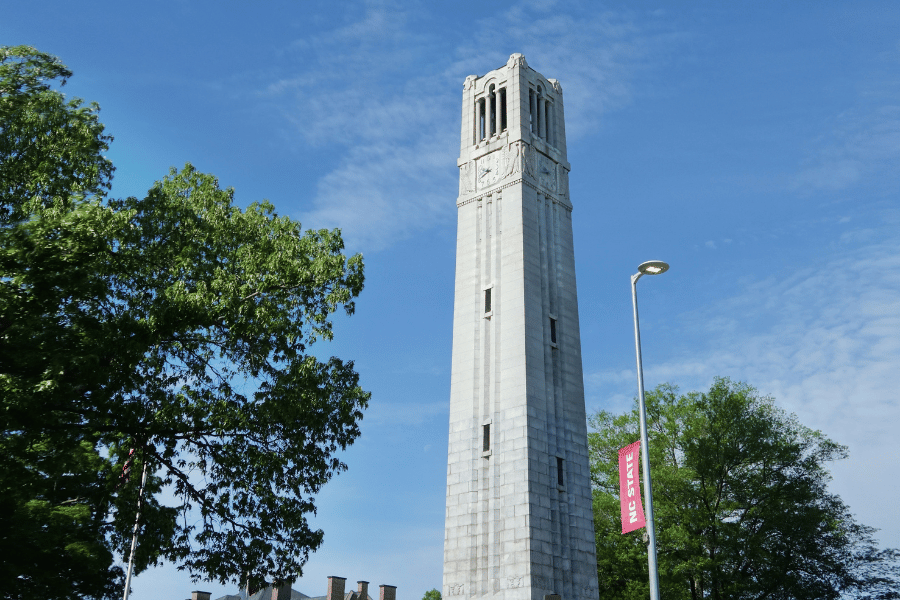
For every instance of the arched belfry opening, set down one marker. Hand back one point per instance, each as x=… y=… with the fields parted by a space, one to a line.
x=490 y=113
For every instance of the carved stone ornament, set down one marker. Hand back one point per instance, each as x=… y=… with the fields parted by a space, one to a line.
x=515 y=581
x=469 y=82
x=512 y=159
x=528 y=160
x=556 y=85
x=516 y=59
x=466 y=179
x=455 y=589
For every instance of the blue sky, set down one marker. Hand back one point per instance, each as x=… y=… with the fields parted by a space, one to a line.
x=754 y=146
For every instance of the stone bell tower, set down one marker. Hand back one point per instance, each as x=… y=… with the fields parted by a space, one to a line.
x=519 y=523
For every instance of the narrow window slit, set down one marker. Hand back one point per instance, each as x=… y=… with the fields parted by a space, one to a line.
x=547 y=123
x=481 y=120
x=560 y=463
x=539 y=118
x=486 y=437
x=492 y=99
x=487 y=300
x=552 y=330
x=531 y=110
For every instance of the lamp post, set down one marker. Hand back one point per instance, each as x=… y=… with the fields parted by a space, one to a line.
x=651 y=267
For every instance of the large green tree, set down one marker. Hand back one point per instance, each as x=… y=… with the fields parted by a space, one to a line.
x=173 y=329
x=741 y=504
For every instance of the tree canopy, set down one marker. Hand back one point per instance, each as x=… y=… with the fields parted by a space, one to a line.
x=432 y=594
x=741 y=504
x=173 y=330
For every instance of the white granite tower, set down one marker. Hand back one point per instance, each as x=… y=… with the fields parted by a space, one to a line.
x=519 y=523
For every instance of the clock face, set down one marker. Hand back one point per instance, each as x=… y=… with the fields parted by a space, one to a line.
x=546 y=173
x=487 y=170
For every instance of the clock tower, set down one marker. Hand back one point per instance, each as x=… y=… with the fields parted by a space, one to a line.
x=519 y=521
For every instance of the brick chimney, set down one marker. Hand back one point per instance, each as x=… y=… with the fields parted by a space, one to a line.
x=281 y=593
x=336 y=588
x=388 y=592
x=363 y=590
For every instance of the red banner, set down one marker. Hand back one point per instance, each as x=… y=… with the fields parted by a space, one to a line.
x=630 y=487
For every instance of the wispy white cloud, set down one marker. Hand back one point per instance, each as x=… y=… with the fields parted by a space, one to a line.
x=394 y=133
x=383 y=192
x=861 y=145
x=596 y=55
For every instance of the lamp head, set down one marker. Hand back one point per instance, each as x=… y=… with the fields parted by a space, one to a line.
x=653 y=267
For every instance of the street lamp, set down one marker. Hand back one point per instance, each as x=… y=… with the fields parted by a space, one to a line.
x=651 y=267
